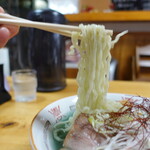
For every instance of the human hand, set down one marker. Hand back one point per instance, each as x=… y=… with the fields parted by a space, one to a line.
x=6 y=32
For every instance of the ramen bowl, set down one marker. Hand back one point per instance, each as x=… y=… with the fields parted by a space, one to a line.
x=41 y=130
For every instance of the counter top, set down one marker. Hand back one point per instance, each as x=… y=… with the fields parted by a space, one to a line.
x=16 y=117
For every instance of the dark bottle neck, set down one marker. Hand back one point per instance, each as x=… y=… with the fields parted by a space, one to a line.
x=1 y=77
x=4 y=95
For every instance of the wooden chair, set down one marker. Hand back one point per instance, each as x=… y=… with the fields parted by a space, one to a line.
x=141 y=64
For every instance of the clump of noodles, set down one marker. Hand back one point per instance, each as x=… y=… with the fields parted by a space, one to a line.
x=94 y=44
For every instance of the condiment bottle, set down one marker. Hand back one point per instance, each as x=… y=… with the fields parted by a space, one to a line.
x=4 y=95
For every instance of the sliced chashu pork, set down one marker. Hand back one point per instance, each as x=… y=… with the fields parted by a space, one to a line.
x=82 y=136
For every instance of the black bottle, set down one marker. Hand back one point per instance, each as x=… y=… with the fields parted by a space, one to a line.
x=4 y=95
x=47 y=52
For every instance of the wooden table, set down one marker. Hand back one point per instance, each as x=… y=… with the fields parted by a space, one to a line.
x=15 y=117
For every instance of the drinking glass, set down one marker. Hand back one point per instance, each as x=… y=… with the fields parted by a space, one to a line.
x=25 y=85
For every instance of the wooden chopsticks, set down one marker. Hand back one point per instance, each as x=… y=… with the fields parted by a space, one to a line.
x=51 y=27
x=65 y=30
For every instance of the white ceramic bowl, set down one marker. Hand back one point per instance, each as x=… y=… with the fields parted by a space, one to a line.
x=41 y=137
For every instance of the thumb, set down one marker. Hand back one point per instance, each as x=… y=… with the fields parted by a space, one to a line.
x=4 y=36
